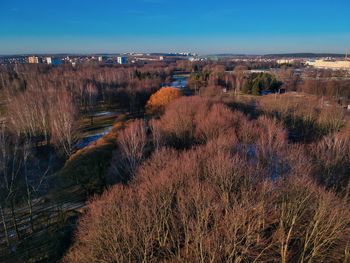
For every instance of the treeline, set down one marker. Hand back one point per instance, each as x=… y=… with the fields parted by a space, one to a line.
x=87 y=84
x=206 y=183
x=214 y=77
x=211 y=79
x=334 y=84
x=307 y=118
x=337 y=89
x=49 y=116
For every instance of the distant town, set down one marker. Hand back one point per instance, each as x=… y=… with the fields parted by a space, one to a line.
x=320 y=61
x=122 y=59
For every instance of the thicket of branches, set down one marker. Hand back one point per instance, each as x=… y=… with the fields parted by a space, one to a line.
x=41 y=108
x=306 y=117
x=235 y=76
x=50 y=116
x=43 y=103
x=220 y=187
x=128 y=86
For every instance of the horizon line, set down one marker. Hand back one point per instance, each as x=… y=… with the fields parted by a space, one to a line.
x=177 y=52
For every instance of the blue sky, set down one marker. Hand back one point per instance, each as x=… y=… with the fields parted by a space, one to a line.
x=218 y=26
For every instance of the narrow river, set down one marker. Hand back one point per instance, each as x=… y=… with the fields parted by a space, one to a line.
x=179 y=81
x=98 y=133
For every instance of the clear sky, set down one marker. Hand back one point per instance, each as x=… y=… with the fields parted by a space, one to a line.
x=203 y=26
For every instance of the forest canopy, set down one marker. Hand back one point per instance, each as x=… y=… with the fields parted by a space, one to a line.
x=217 y=186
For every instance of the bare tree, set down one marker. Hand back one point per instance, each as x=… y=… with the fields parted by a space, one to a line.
x=10 y=166
x=92 y=93
x=28 y=114
x=239 y=72
x=32 y=185
x=132 y=143
x=63 y=121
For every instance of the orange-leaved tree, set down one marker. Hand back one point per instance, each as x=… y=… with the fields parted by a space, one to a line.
x=161 y=98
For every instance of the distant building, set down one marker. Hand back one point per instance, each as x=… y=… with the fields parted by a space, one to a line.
x=102 y=58
x=53 y=61
x=192 y=59
x=122 y=60
x=286 y=61
x=330 y=64
x=34 y=60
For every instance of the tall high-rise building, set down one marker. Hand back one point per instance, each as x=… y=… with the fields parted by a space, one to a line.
x=122 y=60
x=49 y=60
x=102 y=58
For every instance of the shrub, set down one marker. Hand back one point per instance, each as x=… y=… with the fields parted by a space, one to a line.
x=157 y=102
x=331 y=160
x=218 y=120
x=178 y=123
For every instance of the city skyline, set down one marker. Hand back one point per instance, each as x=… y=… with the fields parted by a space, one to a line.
x=202 y=27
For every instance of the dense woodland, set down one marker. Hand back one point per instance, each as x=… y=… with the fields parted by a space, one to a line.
x=209 y=184
x=210 y=174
